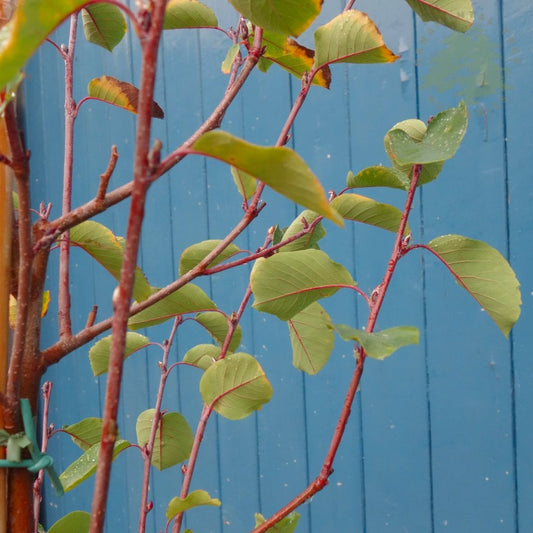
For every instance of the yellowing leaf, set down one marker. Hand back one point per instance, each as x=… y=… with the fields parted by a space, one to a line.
x=456 y=14
x=293 y=57
x=119 y=93
x=351 y=37
x=288 y=17
x=32 y=22
x=280 y=168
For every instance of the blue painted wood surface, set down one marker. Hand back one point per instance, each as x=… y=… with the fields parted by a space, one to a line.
x=440 y=436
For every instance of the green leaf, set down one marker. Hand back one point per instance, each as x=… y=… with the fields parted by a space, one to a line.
x=193 y=499
x=119 y=93
x=380 y=344
x=188 y=299
x=188 y=14
x=78 y=521
x=245 y=183
x=99 y=242
x=351 y=37
x=368 y=211
x=104 y=25
x=194 y=254
x=439 y=143
x=280 y=168
x=230 y=57
x=379 y=176
x=86 y=432
x=292 y=57
x=173 y=438
x=7 y=94
x=217 y=326
x=99 y=353
x=485 y=274
x=416 y=129
x=289 y=17
x=235 y=386
x=312 y=338
x=202 y=355
x=85 y=466
x=455 y=14
x=32 y=22
x=309 y=240
x=287 y=525
x=286 y=284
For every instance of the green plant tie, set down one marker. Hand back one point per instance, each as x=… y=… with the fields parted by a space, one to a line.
x=14 y=444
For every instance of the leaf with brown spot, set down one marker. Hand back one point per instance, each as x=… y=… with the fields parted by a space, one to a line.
x=293 y=57
x=119 y=93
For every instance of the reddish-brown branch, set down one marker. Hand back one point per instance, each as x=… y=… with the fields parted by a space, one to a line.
x=106 y=176
x=123 y=293
x=63 y=293
x=149 y=447
x=375 y=305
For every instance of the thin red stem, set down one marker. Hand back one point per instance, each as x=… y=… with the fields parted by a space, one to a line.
x=65 y=325
x=149 y=448
x=123 y=293
x=322 y=479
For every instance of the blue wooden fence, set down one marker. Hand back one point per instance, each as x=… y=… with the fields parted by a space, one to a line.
x=440 y=436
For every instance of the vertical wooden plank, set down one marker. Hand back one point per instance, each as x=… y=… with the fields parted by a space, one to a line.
x=468 y=359
x=518 y=70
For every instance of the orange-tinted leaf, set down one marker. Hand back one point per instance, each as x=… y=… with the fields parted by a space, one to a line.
x=293 y=57
x=351 y=37
x=119 y=93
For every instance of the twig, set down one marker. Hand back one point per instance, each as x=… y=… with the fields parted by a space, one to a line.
x=106 y=176
x=322 y=479
x=122 y=295
x=149 y=447
x=37 y=486
x=65 y=324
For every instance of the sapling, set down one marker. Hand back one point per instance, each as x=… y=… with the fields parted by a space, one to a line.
x=289 y=272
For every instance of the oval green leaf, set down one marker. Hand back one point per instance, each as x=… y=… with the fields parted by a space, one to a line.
x=350 y=37
x=103 y=25
x=194 y=499
x=312 y=338
x=379 y=176
x=85 y=466
x=99 y=353
x=368 y=211
x=173 y=438
x=309 y=240
x=455 y=14
x=108 y=249
x=202 y=355
x=78 y=521
x=119 y=93
x=485 y=274
x=195 y=253
x=439 y=143
x=235 y=386
x=217 y=326
x=288 y=17
x=286 y=284
x=180 y=14
x=32 y=22
x=86 y=432
x=279 y=167
x=380 y=344
x=188 y=299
